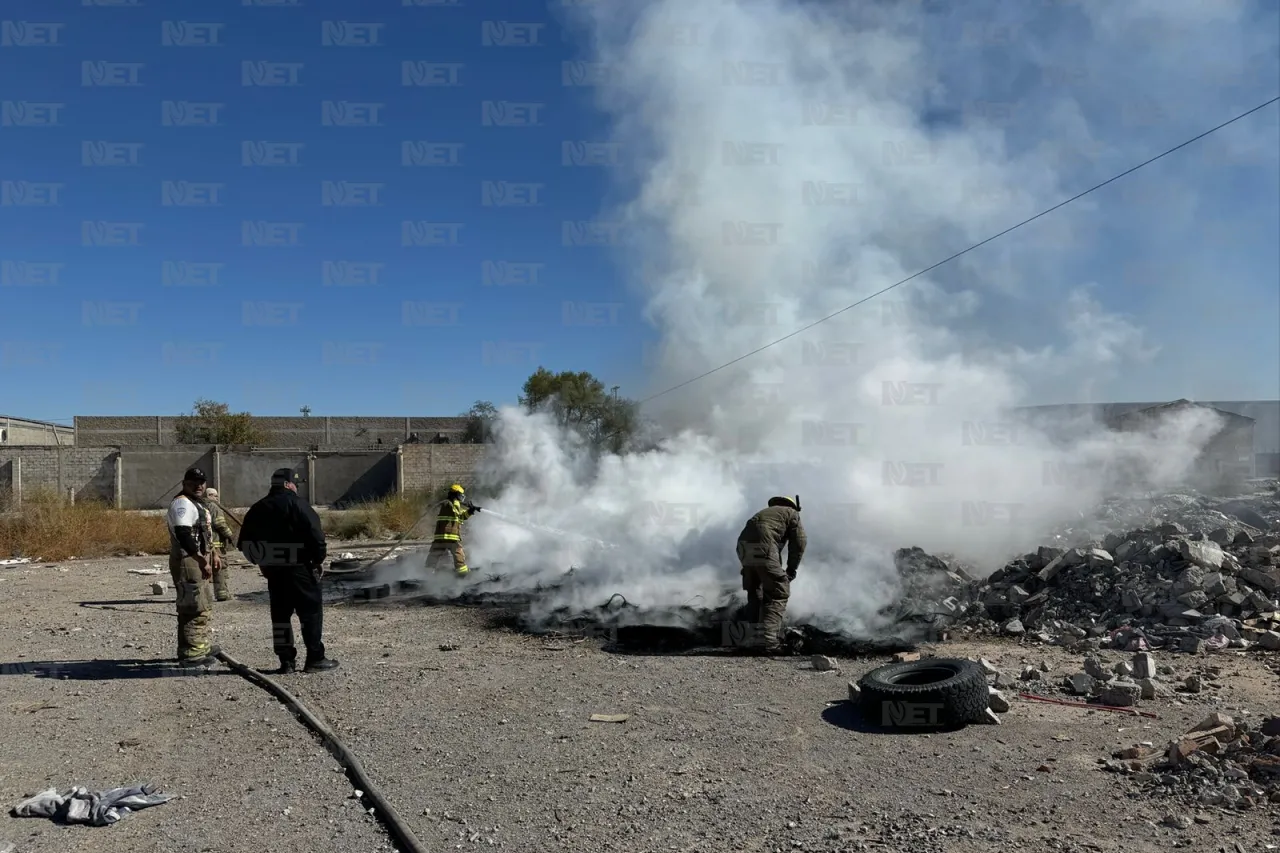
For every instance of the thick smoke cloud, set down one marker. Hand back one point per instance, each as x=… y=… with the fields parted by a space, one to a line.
x=794 y=158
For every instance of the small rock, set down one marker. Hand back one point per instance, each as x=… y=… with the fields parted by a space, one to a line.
x=1150 y=688
x=1270 y=640
x=158 y=589
x=1014 y=626
x=1213 y=721
x=1044 y=666
x=1192 y=684
x=1177 y=821
x=1271 y=726
x=1030 y=673
x=1123 y=669
x=1120 y=694
x=1191 y=645
x=1081 y=684
x=988 y=667
x=822 y=663
x=1144 y=665
x=855 y=692
x=1093 y=667
x=997 y=702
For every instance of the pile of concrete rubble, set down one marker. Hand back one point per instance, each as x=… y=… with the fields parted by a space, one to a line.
x=1161 y=586
x=1220 y=762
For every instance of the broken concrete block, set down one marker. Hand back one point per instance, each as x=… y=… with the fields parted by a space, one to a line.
x=1144 y=665
x=1192 y=684
x=990 y=716
x=1191 y=645
x=1121 y=694
x=822 y=663
x=1123 y=669
x=1268 y=581
x=1014 y=626
x=1150 y=688
x=997 y=702
x=158 y=589
x=1204 y=554
x=1270 y=640
x=1093 y=667
x=906 y=657
x=1216 y=720
x=1030 y=673
x=987 y=666
x=1081 y=684
x=855 y=692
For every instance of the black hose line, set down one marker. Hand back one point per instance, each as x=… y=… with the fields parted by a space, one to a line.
x=385 y=812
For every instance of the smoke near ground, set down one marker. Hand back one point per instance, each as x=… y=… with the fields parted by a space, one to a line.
x=793 y=161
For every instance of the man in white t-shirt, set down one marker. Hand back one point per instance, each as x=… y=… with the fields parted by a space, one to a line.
x=192 y=562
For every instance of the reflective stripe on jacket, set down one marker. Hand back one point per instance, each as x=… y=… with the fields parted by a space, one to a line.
x=449 y=518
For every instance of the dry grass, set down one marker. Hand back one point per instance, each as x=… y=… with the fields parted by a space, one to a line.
x=389 y=517
x=50 y=528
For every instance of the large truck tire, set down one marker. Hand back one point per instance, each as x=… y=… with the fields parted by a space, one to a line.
x=933 y=693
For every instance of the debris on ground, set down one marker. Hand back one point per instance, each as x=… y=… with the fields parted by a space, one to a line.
x=158 y=589
x=80 y=805
x=1219 y=762
x=610 y=718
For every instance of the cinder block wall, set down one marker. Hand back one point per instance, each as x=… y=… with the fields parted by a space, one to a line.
x=292 y=432
x=90 y=472
x=429 y=466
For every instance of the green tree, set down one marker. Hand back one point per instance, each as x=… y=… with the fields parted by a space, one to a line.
x=480 y=418
x=580 y=401
x=215 y=423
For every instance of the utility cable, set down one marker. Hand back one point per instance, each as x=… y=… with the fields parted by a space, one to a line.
x=968 y=250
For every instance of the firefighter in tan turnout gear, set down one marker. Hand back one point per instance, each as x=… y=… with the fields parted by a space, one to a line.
x=447 y=539
x=767 y=583
x=224 y=539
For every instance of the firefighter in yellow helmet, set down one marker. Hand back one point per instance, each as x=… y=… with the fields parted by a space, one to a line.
x=447 y=540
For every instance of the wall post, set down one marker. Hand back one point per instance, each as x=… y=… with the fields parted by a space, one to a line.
x=311 y=477
x=17 y=480
x=400 y=469
x=119 y=485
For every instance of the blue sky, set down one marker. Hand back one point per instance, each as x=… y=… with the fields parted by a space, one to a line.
x=246 y=172
x=325 y=306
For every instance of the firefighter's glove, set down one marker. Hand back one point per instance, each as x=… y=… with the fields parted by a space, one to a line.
x=791 y=574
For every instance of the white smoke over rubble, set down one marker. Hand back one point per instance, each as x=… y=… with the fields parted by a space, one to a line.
x=787 y=170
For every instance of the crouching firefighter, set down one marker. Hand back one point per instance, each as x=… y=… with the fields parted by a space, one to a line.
x=767 y=583
x=447 y=539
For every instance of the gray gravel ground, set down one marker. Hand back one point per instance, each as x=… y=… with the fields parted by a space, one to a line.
x=489 y=746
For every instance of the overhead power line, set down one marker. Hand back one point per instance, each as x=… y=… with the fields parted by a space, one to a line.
x=947 y=260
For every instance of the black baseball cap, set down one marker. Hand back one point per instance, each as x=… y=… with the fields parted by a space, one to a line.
x=285 y=475
x=195 y=475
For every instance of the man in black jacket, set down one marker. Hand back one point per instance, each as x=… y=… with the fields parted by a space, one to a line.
x=281 y=535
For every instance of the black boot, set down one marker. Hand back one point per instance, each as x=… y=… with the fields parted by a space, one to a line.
x=287 y=665
x=320 y=665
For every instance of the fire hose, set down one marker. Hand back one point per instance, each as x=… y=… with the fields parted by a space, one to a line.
x=381 y=806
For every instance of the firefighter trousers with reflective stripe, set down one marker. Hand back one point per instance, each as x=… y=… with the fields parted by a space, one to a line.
x=195 y=603
x=452 y=548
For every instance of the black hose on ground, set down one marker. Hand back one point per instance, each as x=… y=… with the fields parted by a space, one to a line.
x=400 y=831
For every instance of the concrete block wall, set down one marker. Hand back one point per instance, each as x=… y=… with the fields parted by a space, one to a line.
x=292 y=432
x=88 y=472
x=425 y=467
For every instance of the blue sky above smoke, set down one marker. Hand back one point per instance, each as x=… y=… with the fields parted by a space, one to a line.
x=1184 y=251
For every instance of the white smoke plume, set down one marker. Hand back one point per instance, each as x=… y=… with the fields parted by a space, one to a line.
x=788 y=166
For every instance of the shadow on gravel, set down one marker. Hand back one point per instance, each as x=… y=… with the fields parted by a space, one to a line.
x=106 y=670
x=115 y=605
x=846 y=715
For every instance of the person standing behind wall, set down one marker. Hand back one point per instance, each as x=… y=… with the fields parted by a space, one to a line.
x=192 y=562
x=282 y=536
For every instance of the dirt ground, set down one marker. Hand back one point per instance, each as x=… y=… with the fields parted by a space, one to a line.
x=489 y=745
